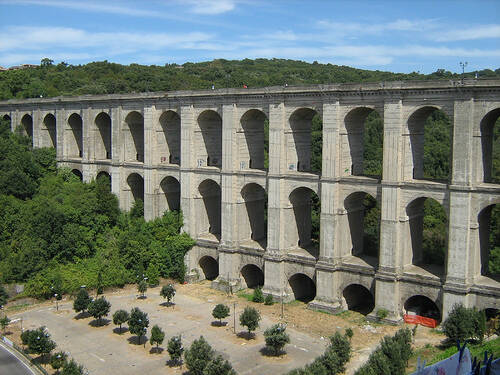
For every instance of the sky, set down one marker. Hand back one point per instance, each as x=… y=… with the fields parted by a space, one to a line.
x=391 y=35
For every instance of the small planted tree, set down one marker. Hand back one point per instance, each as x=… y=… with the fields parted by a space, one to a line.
x=250 y=318
x=57 y=360
x=82 y=301
x=157 y=336
x=38 y=341
x=219 y=366
x=257 y=295
x=276 y=338
x=120 y=317
x=100 y=286
x=175 y=349
x=198 y=355
x=142 y=288
x=168 y=292
x=72 y=368
x=99 y=308
x=220 y=312
x=138 y=323
x=464 y=324
x=4 y=322
x=268 y=300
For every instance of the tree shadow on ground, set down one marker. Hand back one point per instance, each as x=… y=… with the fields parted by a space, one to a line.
x=135 y=340
x=167 y=304
x=99 y=322
x=82 y=315
x=246 y=335
x=178 y=363
x=156 y=350
x=142 y=297
x=216 y=323
x=268 y=352
x=118 y=331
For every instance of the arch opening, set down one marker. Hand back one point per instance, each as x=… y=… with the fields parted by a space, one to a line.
x=103 y=137
x=422 y=306
x=134 y=137
x=304 y=141
x=49 y=131
x=362 y=228
x=430 y=135
x=303 y=235
x=136 y=185
x=169 y=138
x=73 y=136
x=209 y=139
x=428 y=233
x=303 y=287
x=252 y=276
x=489 y=241
x=210 y=267
x=365 y=138
x=27 y=125
x=359 y=299
x=105 y=176
x=252 y=213
x=253 y=140
x=170 y=199
x=7 y=119
x=209 y=215
x=490 y=147
x=77 y=173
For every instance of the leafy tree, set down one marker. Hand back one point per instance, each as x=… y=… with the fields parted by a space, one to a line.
x=257 y=295
x=3 y=296
x=98 y=308
x=276 y=338
x=142 y=287
x=157 y=336
x=57 y=360
x=168 y=292
x=138 y=323
x=250 y=318
x=220 y=312
x=72 y=368
x=4 y=322
x=218 y=366
x=38 y=341
x=82 y=300
x=175 y=349
x=137 y=211
x=464 y=324
x=198 y=356
x=120 y=317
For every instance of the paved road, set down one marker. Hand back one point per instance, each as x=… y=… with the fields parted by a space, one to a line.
x=10 y=365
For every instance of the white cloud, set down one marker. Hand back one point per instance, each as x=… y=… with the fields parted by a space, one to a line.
x=210 y=6
x=468 y=33
x=350 y=28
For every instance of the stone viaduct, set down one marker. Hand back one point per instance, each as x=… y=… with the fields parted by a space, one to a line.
x=203 y=152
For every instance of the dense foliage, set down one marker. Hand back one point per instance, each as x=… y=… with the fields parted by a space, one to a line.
x=276 y=338
x=198 y=355
x=464 y=323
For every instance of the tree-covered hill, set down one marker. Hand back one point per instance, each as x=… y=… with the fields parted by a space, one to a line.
x=104 y=77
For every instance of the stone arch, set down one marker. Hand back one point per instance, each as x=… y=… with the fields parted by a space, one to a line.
x=252 y=214
x=209 y=267
x=134 y=137
x=136 y=185
x=419 y=137
x=209 y=209
x=252 y=141
x=303 y=222
x=49 y=131
x=490 y=137
x=209 y=139
x=106 y=175
x=73 y=136
x=77 y=173
x=303 y=287
x=488 y=220
x=360 y=225
x=103 y=138
x=252 y=276
x=423 y=306
x=9 y=120
x=358 y=298
x=169 y=138
x=27 y=125
x=170 y=196
x=299 y=150
x=427 y=248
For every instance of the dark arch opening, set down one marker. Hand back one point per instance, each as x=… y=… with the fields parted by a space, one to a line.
x=170 y=123
x=171 y=194
x=209 y=149
x=210 y=267
x=490 y=146
x=78 y=174
x=49 y=123
x=365 y=135
x=307 y=128
x=303 y=287
x=306 y=210
x=489 y=241
x=103 y=141
x=422 y=306
x=253 y=276
x=253 y=226
x=7 y=118
x=253 y=149
x=75 y=139
x=27 y=125
x=359 y=299
x=363 y=215
x=136 y=184
x=211 y=195
x=135 y=149
x=430 y=142
x=106 y=177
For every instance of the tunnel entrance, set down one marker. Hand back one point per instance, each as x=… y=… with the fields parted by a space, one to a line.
x=169 y=138
x=252 y=275
x=210 y=267
x=303 y=287
x=103 y=136
x=422 y=306
x=359 y=299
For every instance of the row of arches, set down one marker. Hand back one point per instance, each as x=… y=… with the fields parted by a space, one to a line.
x=427 y=140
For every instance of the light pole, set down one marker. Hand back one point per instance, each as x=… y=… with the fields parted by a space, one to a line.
x=463 y=65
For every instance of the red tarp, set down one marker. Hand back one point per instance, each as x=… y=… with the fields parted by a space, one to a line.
x=417 y=319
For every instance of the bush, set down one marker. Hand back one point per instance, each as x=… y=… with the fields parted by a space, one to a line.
x=175 y=349
x=382 y=314
x=120 y=317
x=257 y=295
x=99 y=308
x=57 y=360
x=250 y=318
x=198 y=356
x=219 y=366
x=220 y=312
x=464 y=324
x=72 y=368
x=82 y=300
x=268 y=300
x=168 y=292
x=142 y=287
x=276 y=338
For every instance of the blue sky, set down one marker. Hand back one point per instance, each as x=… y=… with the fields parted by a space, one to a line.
x=400 y=36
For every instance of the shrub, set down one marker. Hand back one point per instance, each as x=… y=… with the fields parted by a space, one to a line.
x=142 y=287
x=120 y=317
x=82 y=300
x=464 y=324
x=276 y=338
x=220 y=312
x=198 y=356
x=57 y=360
x=168 y=292
x=175 y=349
x=72 y=368
x=219 y=366
x=257 y=295
x=268 y=300
x=250 y=318
x=382 y=314
x=99 y=308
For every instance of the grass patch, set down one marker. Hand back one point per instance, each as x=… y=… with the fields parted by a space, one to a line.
x=243 y=294
x=19 y=307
